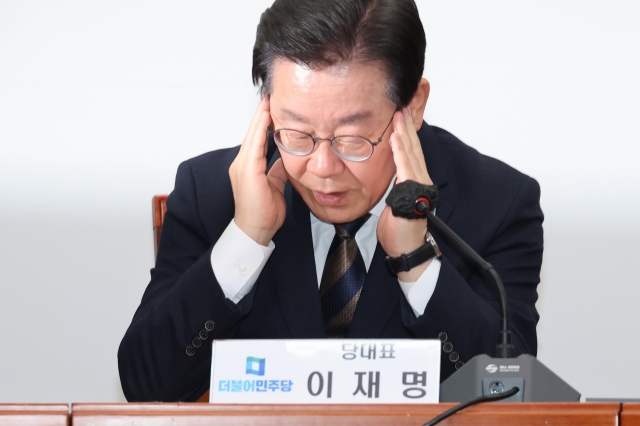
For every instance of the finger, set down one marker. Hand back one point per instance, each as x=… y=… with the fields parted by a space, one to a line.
x=404 y=171
x=277 y=175
x=407 y=144
x=255 y=126
x=263 y=106
x=258 y=140
x=399 y=127
x=413 y=137
x=418 y=162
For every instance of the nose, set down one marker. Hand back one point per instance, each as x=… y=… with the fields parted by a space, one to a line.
x=323 y=162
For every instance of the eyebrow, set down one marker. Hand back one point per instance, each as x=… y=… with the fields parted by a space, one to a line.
x=349 y=119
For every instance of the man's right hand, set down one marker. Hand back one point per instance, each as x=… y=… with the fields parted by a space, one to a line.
x=260 y=208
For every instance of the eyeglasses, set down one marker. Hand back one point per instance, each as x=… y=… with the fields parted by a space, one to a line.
x=347 y=147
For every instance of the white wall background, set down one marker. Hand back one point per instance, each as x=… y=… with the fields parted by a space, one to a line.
x=100 y=101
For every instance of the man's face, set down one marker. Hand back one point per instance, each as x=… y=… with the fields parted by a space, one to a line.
x=340 y=100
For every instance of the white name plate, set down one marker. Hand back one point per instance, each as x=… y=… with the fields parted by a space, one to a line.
x=325 y=371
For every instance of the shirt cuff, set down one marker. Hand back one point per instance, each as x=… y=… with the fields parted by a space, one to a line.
x=237 y=261
x=418 y=293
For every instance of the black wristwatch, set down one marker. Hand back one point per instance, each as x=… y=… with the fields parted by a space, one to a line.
x=406 y=262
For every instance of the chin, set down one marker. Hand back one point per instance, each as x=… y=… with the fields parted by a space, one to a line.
x=336 y=215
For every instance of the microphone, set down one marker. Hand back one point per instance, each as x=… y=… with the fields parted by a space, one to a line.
x=483 y=376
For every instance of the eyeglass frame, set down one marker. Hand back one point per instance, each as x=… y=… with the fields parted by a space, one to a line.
x=331 y=141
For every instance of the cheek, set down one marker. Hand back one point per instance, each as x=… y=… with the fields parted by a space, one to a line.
x=376 y=175
x=365 y=176
x=294 y=166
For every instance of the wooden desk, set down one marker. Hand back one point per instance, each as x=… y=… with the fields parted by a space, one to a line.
x=630 y=415
x=586 y=414
x=34 y=414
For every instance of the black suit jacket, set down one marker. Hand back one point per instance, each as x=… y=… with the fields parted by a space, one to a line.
x=489 y=204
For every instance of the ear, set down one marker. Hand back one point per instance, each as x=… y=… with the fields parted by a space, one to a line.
x=419 y=102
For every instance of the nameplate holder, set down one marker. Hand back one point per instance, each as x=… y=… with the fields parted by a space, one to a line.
x=325 y=371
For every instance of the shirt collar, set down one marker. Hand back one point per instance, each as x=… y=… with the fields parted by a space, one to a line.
x=375 y=210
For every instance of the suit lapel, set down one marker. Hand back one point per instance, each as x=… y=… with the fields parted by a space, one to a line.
x=438 y=170
x=444 y=209
x=294 y=270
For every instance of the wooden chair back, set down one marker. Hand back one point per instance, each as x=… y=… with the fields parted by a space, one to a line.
x=158 y=209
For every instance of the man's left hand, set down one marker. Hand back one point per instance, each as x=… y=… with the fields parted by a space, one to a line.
x=397 y=235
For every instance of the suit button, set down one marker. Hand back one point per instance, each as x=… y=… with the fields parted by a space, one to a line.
x=453 y=356
x=443 y=336
x=203 y=334
x=447 y=347
x=209 y=325
x=191 y=351
x=196 y=342
x=459 y=365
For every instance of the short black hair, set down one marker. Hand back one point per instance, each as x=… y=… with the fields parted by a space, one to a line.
x=321 y=33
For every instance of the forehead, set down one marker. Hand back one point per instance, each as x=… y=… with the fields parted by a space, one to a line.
x=328 y=93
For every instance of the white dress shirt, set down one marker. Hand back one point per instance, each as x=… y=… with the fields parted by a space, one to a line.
x=237 y=260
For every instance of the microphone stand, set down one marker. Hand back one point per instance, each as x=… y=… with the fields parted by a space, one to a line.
x=483 y=378
x=505 y=348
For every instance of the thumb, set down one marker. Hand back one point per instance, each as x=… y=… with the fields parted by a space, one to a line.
x=277 y=175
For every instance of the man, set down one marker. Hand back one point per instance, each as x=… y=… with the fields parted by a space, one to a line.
x=260 y=242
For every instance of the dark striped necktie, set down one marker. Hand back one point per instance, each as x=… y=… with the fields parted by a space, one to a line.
x=342 y=279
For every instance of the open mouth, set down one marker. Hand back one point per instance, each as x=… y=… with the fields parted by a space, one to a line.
x=331 y=198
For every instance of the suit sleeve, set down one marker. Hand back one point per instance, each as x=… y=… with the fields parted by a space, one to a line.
x=467 y=311
x=165 y=354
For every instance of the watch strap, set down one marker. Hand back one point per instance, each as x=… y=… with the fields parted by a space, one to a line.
x=406 y=262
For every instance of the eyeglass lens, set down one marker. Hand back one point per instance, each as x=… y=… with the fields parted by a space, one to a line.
x=298 y=143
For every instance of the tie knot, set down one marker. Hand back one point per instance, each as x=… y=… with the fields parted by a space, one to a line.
x=348 y=230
